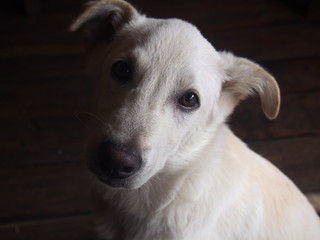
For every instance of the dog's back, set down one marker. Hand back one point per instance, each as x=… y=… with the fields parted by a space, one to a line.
x=269 y=200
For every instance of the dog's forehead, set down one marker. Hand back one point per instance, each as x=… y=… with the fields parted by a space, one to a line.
x=169 y=40
x=168 y=46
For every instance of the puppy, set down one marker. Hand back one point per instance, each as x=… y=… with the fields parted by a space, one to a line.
x=168 y=165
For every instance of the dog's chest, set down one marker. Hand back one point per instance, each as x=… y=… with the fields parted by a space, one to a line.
x=144 y=230
x=172 y=224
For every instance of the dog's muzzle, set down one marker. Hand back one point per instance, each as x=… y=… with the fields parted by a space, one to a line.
x=116 y=162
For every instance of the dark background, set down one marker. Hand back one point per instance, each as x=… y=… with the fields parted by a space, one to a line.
x=44 y=192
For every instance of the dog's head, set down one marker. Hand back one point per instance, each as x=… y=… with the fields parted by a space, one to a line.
x=161 y=91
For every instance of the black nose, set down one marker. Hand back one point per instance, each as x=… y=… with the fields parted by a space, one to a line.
x=117 y=161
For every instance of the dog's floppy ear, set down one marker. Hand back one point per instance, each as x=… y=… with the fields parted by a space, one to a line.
x=102 y=19
x=244 y=78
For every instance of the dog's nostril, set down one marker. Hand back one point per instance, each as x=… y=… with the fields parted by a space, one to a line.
x=117 y=160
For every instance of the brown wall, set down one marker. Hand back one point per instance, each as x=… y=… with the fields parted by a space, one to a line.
x=44 y=192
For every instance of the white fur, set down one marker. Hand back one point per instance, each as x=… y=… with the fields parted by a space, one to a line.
x=198 y=180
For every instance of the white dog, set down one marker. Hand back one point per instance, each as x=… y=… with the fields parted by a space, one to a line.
x=169 y=166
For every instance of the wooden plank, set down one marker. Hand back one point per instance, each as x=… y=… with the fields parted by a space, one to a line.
x=43 y=150
x=58 y=139
x=27 y=100
x=35 y=24
x=293 y=75
x=44 y=191
x=41 y=68
x=296 y=75
x=38 y=50
x=299 y=115
x=314 y=11
x=32 y=7
x=63 y=189
x=268 y=43
x=71 y=228
x=60 y=6
x=298 y=158
x=43 y=141
x=260 y=44
x=222 y=16
x=54 y=28
x=37 y=30
x=62 y=139
x=202 y=3
x=11 y=8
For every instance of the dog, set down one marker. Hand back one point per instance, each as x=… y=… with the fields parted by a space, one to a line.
x=167 y=164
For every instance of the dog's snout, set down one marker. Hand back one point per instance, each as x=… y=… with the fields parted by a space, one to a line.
x=117 y=161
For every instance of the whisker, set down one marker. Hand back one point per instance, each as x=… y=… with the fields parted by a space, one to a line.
x=80 y=120
x=96 y=117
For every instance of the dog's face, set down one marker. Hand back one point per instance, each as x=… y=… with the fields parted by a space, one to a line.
x=161 y=90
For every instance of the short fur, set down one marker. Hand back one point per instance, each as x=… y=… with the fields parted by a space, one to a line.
x=197 y=180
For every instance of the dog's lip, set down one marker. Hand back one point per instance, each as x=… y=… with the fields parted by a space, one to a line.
x=112 y=182
x=108 y=180
x=100 y=176
x=105 y=180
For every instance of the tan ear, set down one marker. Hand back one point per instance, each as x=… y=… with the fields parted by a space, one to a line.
x=102 y=18
x=244 y=78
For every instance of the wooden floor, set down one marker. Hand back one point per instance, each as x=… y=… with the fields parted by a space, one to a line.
x=44 y=192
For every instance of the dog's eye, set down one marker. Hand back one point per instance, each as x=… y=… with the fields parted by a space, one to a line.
x=121 y=71
x=189 y=101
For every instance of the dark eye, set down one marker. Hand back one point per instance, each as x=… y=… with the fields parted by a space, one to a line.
x=121 y=71
x=189 y=101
